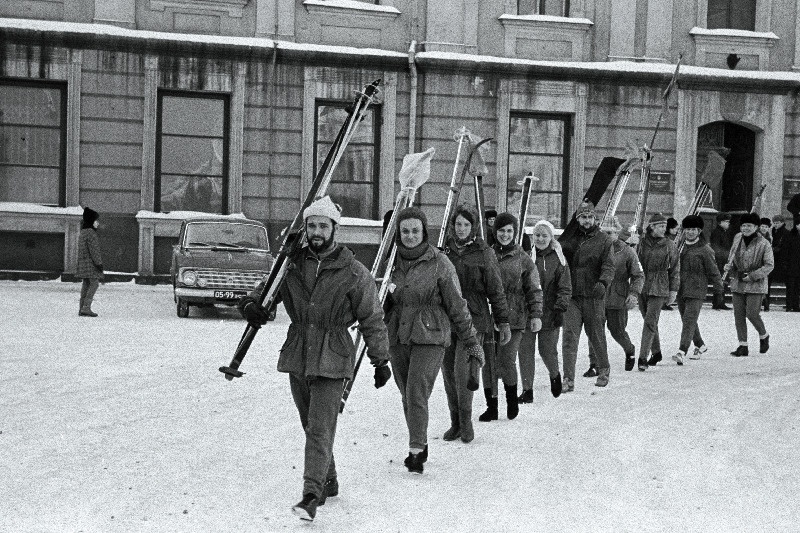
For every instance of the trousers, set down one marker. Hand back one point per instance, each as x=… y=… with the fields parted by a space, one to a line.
x=503 y=365
x=650 y=307
x=588 y=314
x=415 y=368
x=747 y=306
x=616 y=322
x=548 y=350
x=689 y=308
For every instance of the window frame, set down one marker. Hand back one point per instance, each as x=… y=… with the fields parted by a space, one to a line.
x=540 y=4
x=62 y=86
x=377 y=114
x=566 y=154
x=226 y=138
x=730 y=8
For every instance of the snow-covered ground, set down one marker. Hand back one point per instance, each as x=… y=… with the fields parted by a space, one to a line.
x=122 y=423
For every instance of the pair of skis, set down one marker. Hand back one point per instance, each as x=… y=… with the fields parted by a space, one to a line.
x=294 y=236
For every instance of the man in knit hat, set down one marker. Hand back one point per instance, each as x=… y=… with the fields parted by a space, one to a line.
x=588 y=253
x=658 y=256
x=721 y=239
x=325 y=292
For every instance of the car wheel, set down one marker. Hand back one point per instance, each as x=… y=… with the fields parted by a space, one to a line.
x=183 y=308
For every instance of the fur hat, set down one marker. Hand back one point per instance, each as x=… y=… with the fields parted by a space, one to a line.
x=778 y=218
x=671 y=223
x=324 y=207
x=504 y=219
x=490 y=213
x=409 y=213
x=692 y=221
x=766 y=221
x=586 y=208
x=721 y=217
x=611 y=224
x=656 y=218
x=89 y=216
x=750 y=218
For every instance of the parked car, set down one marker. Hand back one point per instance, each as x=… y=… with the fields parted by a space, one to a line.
x=217 y=261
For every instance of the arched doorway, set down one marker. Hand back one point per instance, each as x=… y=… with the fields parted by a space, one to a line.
x=737 y=145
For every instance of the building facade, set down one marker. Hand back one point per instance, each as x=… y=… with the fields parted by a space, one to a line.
x=151 y=110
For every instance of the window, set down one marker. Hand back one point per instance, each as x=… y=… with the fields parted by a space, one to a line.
x=192 y=152
x=731 y=14
x=556 y=8
x=33 y=139
x=354 y=184
x=539 y=143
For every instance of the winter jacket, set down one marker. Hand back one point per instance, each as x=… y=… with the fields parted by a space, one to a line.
x=628 y=277
x=319 y=342
x=661 y=265
x=521 y=285
x=755 y=259
x=90 y=262
x=424 y=299
x=780 y=244
x=698 y=269
x=789 y=254
x=588 y=254
x=721 y=241
x=556 y=285
x=479 y=277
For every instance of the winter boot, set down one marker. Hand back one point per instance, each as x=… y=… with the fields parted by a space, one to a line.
x=592 y=372
x=654 y=359
x=763 y=345
x=512 y=405
x=414 y=463
x=567 y=385
x=465 y=419
x=527 y=395
x=555 y=385
x=630 y=360
x=455 y=430
x=678 y=357
x=740 y=351
x=698 y=351
x=306 y=508
x=491 y=407
x=329 y=490
x=642 y=364
x=602 y=377
x=86 y=308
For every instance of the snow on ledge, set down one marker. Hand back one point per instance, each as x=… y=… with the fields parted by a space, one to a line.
x=22 y=207
x=545 y=18
x=184 y=215
x=352 y=5
x=733 y=33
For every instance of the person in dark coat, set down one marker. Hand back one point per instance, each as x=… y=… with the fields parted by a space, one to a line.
x=721 y=239
x=765 y=228
x=481 y=284
x=326 y=290
x=557 y=292
x=591 y=265
x=790 y=263
x=672 y=233
x=748 y=267
x=658 y=256
x=623 y=294
x=524 y=297
x=698 y=270
x=779 y=231
x=489 y=217
x=90 y=261
x=424 y=300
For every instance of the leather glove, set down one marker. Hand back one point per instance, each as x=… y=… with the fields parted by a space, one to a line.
x=599 y=291
x=536 y=324
x=558 y=319
x=382 y=374
x=673 y=295
x=252 y=311
x=631 y=301
x=505 y=333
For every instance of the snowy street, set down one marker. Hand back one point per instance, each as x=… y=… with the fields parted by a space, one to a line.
x=122 y=423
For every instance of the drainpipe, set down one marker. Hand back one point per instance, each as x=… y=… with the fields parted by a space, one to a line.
x=412 y=103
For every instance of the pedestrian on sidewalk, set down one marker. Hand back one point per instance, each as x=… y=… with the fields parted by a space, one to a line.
x=424 y=300
x=523 y=293
x=588 y=253
x=721 y=240
x=790 y=261
x=622 y=295
x=479 y=278
x=778 y=274
x=698 y=270
x=557 y=292
x=748 y=267
x=90 y=261
x=672 y=233
x=658 y=256
x=325 y=292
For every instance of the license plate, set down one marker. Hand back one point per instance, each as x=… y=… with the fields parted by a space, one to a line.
x=229 y=295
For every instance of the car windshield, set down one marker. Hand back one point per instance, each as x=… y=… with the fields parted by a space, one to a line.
x=228 y=234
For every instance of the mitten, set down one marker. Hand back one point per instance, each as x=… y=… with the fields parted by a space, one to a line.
x=631 y=301
x=382 y=374
x=536 y=324
x=252 y=311
x=599 y=290
x=558 y=318
x=505 y=333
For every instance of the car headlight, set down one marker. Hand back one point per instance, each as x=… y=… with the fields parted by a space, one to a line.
x=190 y=277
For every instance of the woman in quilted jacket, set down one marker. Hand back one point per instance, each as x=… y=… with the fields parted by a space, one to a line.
x=749 y=263
x=90 y=262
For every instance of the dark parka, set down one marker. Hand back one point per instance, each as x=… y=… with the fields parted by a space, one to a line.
x=628 y=276
x=479 y=277
x=521 y=285
x=90 y=262
x=556 y=284
x=698 y=269
x=423 y=301
x=318 y=342
x=589 y=258
x=661 y=265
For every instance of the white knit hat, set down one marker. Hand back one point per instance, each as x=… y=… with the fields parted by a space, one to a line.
x=324 y=207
